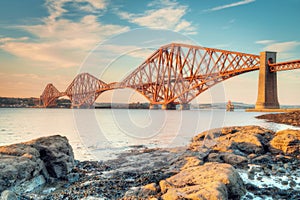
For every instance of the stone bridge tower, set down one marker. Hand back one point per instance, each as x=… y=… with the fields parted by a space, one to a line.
x=267 y=97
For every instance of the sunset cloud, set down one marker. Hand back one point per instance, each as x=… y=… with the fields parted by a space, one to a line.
x=9 y=39
x=61 y=42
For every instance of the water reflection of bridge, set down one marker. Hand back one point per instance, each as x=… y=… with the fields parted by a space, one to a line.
x=178 y=73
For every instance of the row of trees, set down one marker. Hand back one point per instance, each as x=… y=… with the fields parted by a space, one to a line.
x=8 y=102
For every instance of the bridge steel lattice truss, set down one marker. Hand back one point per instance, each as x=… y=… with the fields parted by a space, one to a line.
x=173 y=74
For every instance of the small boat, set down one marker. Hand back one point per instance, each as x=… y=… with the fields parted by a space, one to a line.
x=229 y=106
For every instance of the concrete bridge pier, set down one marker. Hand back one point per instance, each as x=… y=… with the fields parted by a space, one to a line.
x=184 y=106
x=267 y=84
x=153 y=106
x=169 y=106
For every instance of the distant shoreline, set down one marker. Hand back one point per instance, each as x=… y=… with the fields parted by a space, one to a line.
x=33 y=102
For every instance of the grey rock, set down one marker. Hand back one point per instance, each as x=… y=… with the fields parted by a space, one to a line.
x=57 y=154
x=250 y=175
x=255 y=169
x=262 y=159
x=286 y=165
x=234 y=159
x=18 y=164
x=26 y=166
x=30 y=185
x=8 y=195
x=281 y=170
x=73 y=177
x=284 y=182
x=293 y=183
x=229 y=158
x=215 y=157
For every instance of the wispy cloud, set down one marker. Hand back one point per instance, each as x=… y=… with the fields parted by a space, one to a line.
x=239 y=3
x=163 y=3
x=163 y=14
x=229 y=24
x=56 y=7
x=265 y=42
x=4 y=40
x=284 y=48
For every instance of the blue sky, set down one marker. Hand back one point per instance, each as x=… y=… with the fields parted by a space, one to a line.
x=43 y=41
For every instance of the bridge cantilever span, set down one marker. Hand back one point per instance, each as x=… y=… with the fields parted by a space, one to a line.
x=49 y=95
x=177 y=73
x=85 y=89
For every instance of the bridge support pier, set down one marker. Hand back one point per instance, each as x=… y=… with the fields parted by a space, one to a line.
x=83 y=106
x=153 y=106
x=267 y=83
x=184 y=106
x=169 y=106
x=74 y=106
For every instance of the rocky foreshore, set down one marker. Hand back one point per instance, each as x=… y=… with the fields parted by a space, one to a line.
x=229 y=163
x=289 y=118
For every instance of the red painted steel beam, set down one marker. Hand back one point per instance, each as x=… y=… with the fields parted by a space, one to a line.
x=283 y=66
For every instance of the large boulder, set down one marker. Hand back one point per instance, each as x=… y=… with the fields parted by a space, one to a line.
x=241 y=140
x=19 y=163
x=34 y=162
x=217 y=181
x=57 y=154
x=287 y=142
x=209 y=181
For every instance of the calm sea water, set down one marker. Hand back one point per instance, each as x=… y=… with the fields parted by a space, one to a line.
x=101 y=134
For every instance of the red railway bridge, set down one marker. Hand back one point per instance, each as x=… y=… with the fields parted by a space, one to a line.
x=178 y=73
